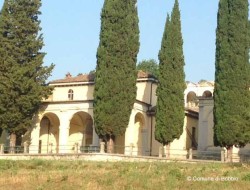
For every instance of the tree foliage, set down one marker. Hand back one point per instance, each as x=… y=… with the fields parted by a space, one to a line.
x=115 y=81
x=170 y=91
x=231 y=93
x=22 y=74
x=150 y=66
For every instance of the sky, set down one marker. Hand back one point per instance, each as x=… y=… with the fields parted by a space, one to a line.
x=71 y=34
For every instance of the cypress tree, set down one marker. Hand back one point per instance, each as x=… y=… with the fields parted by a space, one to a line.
x=231 y=93
x=170 y=91
x=22 y=74
x=115 y=82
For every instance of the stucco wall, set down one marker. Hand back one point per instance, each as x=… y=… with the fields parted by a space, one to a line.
x=146 y=92
x=137 y=132
x=83 y=92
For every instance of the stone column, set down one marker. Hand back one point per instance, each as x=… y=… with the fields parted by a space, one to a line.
x=128 y=137
x=205 y=128
x=64 y=133
x=35 y=134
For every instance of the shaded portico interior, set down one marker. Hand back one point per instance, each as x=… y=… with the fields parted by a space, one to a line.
x=81 y=130
x=49 y=133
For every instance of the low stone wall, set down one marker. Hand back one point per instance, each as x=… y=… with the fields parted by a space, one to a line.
x=95 y=157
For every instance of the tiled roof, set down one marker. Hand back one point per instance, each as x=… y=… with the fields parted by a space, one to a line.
x=91 y=78
x=79 y=78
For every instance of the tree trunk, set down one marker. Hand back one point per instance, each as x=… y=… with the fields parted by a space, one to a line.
x=1 y=130
x=230 y=154
x=167 y=150
x=110 y=145
x=12 y=143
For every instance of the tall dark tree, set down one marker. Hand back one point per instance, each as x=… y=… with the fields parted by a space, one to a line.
x=150 y=66
x=115 y=81
x=232 y=75
x=170 y=91
x=22 y=74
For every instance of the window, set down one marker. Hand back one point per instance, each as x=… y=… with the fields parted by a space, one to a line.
x=207 y=94
x=70 y=94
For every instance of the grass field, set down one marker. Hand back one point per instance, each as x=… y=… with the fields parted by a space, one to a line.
x=74 y=175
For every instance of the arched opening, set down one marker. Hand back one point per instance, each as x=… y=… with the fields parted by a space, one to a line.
x=192 y=99
x=207 y=94
x=81 y=131
x=70 y=94
x=140 y=134
x=49 y=134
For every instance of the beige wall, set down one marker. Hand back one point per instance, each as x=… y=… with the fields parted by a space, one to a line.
x=146 y=92
x=138 y=131
x=84 y=92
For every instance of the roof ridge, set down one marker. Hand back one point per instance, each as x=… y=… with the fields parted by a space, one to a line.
x=91 y=77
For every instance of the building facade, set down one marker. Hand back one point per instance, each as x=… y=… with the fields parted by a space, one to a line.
x=65 y=121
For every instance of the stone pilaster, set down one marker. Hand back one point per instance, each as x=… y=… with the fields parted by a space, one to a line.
x=64 y=133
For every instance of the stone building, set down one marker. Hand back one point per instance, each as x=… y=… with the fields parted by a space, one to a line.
x=66 y=119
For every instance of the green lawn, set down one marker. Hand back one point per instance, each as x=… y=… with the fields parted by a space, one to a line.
x=45 y=174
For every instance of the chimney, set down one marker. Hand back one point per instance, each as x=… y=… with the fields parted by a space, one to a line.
x=68 y=75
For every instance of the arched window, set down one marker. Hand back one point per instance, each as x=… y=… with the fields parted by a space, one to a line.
x=207 y=94
x=70 y=94
x=192 y=99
